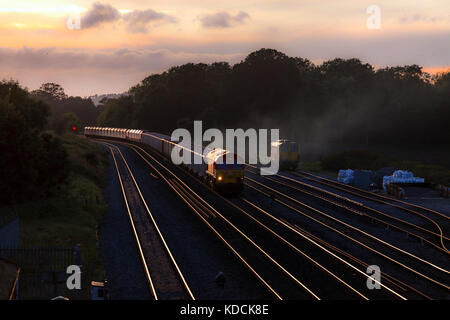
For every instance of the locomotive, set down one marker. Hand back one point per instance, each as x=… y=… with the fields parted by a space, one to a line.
x=287 y=152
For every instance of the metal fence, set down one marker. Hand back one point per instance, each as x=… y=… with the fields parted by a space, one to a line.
x=43 y=271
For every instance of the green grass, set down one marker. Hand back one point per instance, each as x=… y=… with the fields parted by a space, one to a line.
x=315 y=166
x=72 y=215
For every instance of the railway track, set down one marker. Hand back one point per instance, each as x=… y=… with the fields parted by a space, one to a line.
x=369 y=195
x=164 y=277
x=304 y=252
x=403 y=288
x=434 y=239
x=437 y=219
x=251 y=235
x=280 y=283
x=426 y=271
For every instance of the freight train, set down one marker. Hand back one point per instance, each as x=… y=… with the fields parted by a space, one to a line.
x=217 y=171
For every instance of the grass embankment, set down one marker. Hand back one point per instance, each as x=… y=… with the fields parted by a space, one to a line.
x=72 y=216
x=315 y=166
x=360 y=159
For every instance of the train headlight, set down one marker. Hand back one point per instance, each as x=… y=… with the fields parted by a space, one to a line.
x=219 y=178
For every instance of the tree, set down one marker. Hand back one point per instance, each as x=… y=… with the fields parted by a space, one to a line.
x=32 y=164
x=341 y=101
x=54 y=96
x=19 y=148
x=34 y=112
x=50 y=91
x=65 y=122
x=54 y=164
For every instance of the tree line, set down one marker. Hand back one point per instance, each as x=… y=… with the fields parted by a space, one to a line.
x=66 y=111
x=339 y=101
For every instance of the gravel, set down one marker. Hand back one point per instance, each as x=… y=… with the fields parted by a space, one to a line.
x=124 y=272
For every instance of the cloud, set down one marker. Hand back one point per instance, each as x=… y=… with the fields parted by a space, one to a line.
x=223 y=19
x=138 y=20
x=426 y=49
x=86 y=71
x=241 y=17
x=98 y=14
x=114 y=59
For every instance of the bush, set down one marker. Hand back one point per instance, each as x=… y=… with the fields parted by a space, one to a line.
x=431 y=173
x=85 y=192
x=91 y=158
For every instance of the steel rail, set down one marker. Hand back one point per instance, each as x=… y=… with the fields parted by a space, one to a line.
x=141 y=253
x=381 y=199
x=161 y=238
x=440 y=235
x=186 y=194
x=372 y=196
x=259 y=248
x=299 y=251
x=345 y=235
x=360 y=213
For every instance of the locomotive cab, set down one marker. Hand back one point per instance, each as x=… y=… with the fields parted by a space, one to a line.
x=225 y=175
x=287 y=152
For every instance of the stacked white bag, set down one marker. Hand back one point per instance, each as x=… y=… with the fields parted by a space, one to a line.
x=401 y=176
x=346 y=176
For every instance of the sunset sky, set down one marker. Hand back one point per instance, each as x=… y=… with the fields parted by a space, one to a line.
x=121 y=42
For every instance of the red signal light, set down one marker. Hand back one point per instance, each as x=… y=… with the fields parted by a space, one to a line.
x=74 y=128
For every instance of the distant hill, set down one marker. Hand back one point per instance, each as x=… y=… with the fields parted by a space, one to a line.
x=96 y=99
